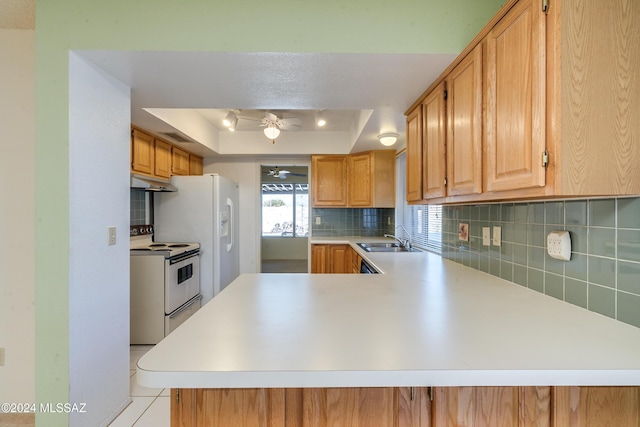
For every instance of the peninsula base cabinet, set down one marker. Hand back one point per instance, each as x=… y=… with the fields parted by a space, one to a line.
x=407 y=407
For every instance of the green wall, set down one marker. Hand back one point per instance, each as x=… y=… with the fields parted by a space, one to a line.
x=357 y=26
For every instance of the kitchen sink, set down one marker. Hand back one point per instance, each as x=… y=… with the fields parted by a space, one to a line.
x=385 y=247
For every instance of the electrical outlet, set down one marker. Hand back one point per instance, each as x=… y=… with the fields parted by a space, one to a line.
x=559 y=245
x=497 y=236
x=2 y=356
x=486 y=236
x=112 y=235
x=318 y=220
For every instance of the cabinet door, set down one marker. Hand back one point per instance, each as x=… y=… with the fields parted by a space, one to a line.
x=414 y=155
x=464 y=126
x=329 y=181
x=515 y=99
x=413 y=407
x=338 y=259
x=142 y=152
x=319 y=258
x=163 y=159
x=353 y=407
x=179 y=161
x=434 y=144
x=492 y=406
x=359 y=167
x=241 y=407
x=597 y=406
x=195 y=165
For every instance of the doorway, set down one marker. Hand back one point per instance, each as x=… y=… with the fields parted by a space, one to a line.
x=284 y=204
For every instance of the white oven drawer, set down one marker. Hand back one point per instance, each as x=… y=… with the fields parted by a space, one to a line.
x=177 y=318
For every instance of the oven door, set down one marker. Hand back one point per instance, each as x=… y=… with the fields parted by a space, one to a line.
x=182 y=280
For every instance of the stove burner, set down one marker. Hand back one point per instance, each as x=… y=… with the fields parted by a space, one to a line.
x=179 y=245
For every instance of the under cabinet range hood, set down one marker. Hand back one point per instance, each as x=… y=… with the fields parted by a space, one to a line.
x=148 y=183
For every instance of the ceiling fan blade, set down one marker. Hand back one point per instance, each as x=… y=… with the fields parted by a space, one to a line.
x=292 y=123
x=297 y=174
x=283 y=176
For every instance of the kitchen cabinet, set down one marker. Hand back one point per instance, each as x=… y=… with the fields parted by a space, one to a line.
x=434 y=144
x=179 y=162
x=163 y=159
x=142 y=152
x=355 y=260
x=464 y=126
x=363 y=180
x=414 y=155
x=371 y=178
x=330 y=258
x=195 y=165
x=156 y=157
x=558 y=87
x=329 y=181
x=408 y=406
x=515 y=99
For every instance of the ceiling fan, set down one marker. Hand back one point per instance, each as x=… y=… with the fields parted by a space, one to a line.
x=273 y=124
x=282 y=174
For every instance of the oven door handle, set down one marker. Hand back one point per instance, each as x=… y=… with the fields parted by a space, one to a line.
x=184 y=307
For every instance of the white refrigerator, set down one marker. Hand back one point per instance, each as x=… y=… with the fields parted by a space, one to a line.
x=204 y=210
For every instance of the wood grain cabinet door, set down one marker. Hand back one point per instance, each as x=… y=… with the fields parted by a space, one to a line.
x=179 y=162
x=434 y=144
x=597 y=406
x=464 y=126
x=329 y=181
x=352 y=407
x=163 y=159
x=414 y=155
x=142 y=152
x=319 y=258
x=515 y=88
x=360 y=191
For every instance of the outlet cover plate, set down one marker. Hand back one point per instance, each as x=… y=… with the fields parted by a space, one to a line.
x=497 y=236
x=559 y=245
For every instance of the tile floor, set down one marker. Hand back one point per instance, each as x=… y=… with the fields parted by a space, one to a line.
x=150 y=406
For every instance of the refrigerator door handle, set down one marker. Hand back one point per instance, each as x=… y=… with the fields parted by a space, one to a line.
x=231 y=225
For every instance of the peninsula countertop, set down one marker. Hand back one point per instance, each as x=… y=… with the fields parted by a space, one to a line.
x=426 y=321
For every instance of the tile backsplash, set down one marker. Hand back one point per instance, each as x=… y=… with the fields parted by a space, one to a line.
x=603 y=274
x=337 y=222
x=138 y=207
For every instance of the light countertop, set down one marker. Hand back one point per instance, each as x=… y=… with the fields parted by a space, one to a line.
x=425 y=322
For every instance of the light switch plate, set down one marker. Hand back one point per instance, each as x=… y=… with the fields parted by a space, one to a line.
x=2 y=356
x=318 y=220
x=112 y=235
x=486 y=236
x=497 y=236
x=559 y=245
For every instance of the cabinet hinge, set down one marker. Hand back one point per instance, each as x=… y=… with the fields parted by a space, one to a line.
x=545 y=158
x=545 y=6
x=445 y=182
x=177 y=395
x=431 y=394
x=413 y=393
x=446 y=94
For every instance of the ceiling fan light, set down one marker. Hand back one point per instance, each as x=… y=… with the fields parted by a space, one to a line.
x=229 y=120
x=388 y=139
x=320 y=121
x=233 y=124
x=271 y=132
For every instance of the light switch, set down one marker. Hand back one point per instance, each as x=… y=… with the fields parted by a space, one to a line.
x=497 y=236
x=486 y=236
x=318 y=220
x=112 y=235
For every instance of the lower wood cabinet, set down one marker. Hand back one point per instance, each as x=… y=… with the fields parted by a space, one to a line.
x=330 y=258
x=407 y=407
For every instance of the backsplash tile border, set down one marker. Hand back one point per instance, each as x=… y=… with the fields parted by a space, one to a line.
x=605 y=255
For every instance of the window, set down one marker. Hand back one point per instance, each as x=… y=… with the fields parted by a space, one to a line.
x=285 y=210
x=423 y=223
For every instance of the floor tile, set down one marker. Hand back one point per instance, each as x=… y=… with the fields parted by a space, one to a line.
x=158 y=414
x=132 y=412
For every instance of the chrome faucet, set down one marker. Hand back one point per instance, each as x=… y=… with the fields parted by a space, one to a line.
x=405 y=243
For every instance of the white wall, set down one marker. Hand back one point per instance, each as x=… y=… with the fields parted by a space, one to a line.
x=246 y=172
x=99 y=111
x=17 y=165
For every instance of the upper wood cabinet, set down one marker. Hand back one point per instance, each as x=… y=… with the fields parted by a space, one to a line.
x=557 y=106
x=464 y=126
x=329 y=181
x=142 y=152
x=434 y=144
x=155 y=157
x=414 y=155
x=163 y=159
x=515 y=99
x=365 y=180
x=179 y=161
